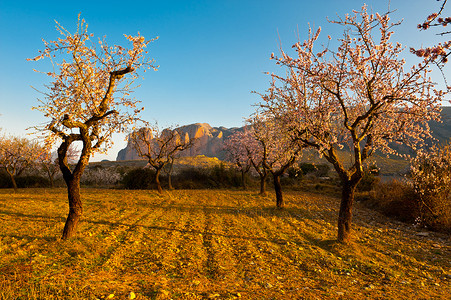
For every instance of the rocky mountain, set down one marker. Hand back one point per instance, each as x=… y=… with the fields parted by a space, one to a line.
x=209 y=142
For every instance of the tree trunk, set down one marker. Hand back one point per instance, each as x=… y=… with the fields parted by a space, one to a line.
x=75 y=208
x=72 y=179
x=278 y=189
x=157 y=181
x=52 y=182
x=12 y=177
x=49 y=173
x=171 y=165
x=170 y=182
x=263 y=184
x=345 y=214
x=243 y=179
x=13 y=180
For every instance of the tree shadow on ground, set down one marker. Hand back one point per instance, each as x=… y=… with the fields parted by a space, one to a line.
x=33 y=216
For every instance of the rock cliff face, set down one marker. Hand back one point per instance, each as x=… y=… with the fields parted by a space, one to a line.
x=209 y=141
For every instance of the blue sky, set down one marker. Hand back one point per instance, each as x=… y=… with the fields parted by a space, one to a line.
x=212 y=54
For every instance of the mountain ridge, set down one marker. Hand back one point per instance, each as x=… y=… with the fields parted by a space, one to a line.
x=210 y=139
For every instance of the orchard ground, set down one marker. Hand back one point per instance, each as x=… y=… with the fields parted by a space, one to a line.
x=218 y=244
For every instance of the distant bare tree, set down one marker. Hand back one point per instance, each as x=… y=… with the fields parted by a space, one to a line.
x=159 y=147
x=48 y=161
x=16 y=155
x=168 y=170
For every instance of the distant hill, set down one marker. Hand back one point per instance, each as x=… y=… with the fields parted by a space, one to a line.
x=442 y=131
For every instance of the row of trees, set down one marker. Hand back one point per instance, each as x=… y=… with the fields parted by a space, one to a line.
x=19 y=154
x=358 y=95
x=267 y=147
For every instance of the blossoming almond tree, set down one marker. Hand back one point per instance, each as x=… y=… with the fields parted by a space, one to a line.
x=359 y=96
x=441 y=51
x=237 y=152
x=88 y=100
x=245 y=149
x=257 y=154
x=279 y=148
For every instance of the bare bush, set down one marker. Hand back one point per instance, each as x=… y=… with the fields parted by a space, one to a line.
x=431 y=179
x=395 y=199
x=100 y=177
x=425 y=197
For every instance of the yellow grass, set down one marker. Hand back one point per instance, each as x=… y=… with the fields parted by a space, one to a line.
x=216 y=244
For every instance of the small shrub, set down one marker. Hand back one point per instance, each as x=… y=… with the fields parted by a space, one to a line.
x=5 y=180
x=318 y=170
x=225 y=177
x=369 y=180
x=307 y=168
x=139 y=178
x=295 y=173
x=192 y=178
x=396 y=199
x=322 y=170
x=286 y=180
x=32 y=181
x=25 y=181
x=99 y=176
x=219 y=176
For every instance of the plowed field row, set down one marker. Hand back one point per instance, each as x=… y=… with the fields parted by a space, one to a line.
x=215 y=244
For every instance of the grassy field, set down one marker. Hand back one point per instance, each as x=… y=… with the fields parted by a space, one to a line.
x=211 y=244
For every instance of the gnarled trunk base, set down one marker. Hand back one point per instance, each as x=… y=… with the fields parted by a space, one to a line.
x=243 y=180
x=263 y=185
x=13 y=180
x=345 y=214
x=157 y=181
x=75 y=209
x=278 y=190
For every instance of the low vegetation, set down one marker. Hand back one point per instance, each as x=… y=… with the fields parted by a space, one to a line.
x=423 y=197
x=217 y=244
x=398 y=199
